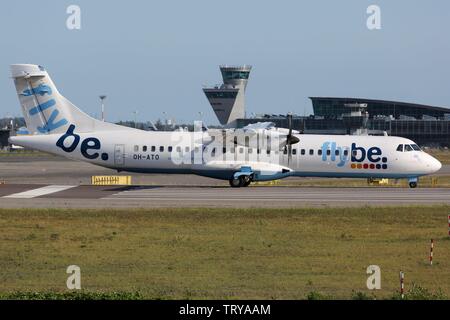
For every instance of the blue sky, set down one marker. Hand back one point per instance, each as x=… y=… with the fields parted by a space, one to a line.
x=154 y=56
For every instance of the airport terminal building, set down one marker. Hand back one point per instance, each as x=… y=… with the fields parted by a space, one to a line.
x=426 y=125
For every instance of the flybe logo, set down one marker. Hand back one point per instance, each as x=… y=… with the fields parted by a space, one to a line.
x=69 y=141
x=52 y=122
x=359 y=157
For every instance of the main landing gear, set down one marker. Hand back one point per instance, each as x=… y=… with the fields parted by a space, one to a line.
x=241 y=181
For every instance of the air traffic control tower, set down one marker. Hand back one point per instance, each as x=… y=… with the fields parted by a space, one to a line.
x=228 y=99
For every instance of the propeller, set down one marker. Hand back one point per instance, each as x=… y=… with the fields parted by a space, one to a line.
x=290 y=138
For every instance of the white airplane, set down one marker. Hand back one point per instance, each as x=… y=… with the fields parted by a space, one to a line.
x=258 y=152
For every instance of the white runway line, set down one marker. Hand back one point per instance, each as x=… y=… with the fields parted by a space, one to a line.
x=39 y=192
x=190 y=195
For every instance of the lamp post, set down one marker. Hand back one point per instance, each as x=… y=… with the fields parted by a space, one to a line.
x=102 y=98
x=165 y=120
x=135 y=112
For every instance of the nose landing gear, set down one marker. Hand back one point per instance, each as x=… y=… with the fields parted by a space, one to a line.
x=413 y=182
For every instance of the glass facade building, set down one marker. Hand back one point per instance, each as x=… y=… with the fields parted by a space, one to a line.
x=426 y=125
x=335 y=107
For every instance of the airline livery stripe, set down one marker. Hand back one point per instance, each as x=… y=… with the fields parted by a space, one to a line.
x=39 y=192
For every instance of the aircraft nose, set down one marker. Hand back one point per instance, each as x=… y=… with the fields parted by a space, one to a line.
x=434 y=164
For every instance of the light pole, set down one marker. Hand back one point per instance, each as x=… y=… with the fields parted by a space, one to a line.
x=135 y=112
x=165 y=120
x=102 y=98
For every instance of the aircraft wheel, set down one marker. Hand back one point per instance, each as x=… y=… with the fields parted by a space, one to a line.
x=235 y=183
x=242 y=181
x=246 y=181
x=413 y=184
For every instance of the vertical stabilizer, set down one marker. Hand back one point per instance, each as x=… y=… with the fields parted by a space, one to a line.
x=45 y=110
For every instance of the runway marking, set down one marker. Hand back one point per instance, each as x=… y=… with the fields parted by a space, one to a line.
x=39 y=192
x=297 y=196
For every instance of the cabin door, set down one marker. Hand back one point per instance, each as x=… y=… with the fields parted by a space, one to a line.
x=119 y=155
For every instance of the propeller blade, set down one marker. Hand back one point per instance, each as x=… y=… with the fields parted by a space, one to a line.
x=289 y=116
x=289 y=153
x=290 y=139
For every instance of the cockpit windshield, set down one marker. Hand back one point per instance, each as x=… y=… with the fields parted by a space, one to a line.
x=408 y=147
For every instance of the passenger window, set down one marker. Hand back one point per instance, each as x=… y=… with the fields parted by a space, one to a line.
x=224 y=150
x=294 y=151
x=303 y=152
x=328 y=152
x=187 y=149
x=241 y=150
x=153 y=148
x=400 y=148
x=311 y=152
x=415 y=147
x=285 y=150
x=136 y=148
x=408 y=147
x=268 y=151
x=170 y=149
x=336 y=152
x=179 y=149
x=345 y=152
x=250 y=150
x=319 y=152
x=161 y=149
x=196 y=149
x=144 y=148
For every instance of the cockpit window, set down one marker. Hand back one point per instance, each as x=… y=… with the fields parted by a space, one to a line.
x=415 y=147
x=408 y=147
x=400 y=148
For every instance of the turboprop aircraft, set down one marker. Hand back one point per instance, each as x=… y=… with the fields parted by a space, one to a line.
x=258 y=152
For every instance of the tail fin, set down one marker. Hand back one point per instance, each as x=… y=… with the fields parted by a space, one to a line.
x=44 y=108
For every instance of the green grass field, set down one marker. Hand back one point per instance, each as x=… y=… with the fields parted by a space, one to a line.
x=224 y=253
